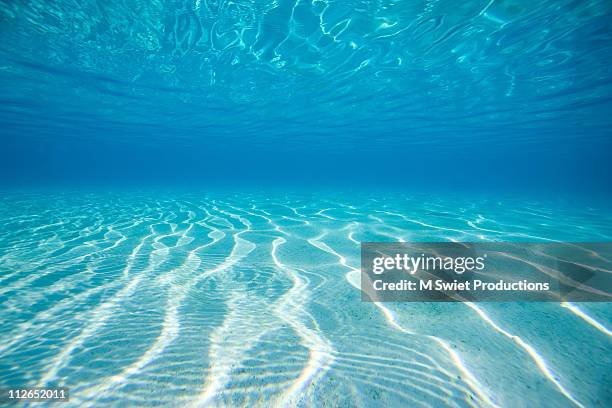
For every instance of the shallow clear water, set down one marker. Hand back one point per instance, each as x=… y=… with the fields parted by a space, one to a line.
x=415 y=92
x=130 y=274
x=179 y=298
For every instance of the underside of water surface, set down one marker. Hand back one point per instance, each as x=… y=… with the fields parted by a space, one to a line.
x=185 y=185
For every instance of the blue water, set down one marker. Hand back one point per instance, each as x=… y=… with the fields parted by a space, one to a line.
x=481 y=94
x=184 y=186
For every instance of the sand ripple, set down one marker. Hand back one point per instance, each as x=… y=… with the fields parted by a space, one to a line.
x=231 y=301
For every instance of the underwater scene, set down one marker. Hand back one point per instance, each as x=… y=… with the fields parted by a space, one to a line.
x=186 y=188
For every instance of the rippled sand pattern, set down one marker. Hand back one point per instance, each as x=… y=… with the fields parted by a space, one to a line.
x=251 y=300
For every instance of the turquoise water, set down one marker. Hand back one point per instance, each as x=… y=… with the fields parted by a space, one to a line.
x=184 y=186
x=486 y=94
x=253 y=299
